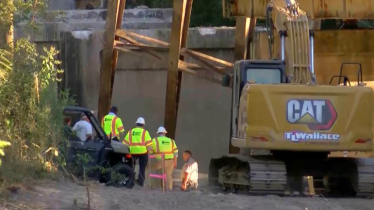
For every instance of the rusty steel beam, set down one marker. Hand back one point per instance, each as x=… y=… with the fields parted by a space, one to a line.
x=315 y=9
x=105 y=98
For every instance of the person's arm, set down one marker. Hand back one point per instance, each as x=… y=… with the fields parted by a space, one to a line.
x=126 y=139
x=153 y=147
x=148 y=141
x=74 y=127
x=120 y=127
x=185 y=180
x=175 y=151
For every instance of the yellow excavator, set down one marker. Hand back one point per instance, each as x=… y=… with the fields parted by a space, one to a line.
x=286 y=125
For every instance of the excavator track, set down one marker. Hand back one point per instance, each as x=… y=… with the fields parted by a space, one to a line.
x=267 y=177
x=254 y=175
x=263 y=175
x=365 y=169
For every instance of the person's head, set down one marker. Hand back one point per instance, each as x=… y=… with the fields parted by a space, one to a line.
x=114 y=109
x=140 y=122
x=161 y=131
x=186 y=155
x=84 y=117
x=67 y=121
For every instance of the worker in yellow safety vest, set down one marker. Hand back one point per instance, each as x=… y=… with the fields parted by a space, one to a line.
x=164 y=145
x=139 y=142
x=112 y=124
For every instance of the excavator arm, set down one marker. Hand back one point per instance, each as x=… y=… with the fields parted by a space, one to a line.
x=296 y=41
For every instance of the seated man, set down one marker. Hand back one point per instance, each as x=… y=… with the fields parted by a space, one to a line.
x=83 y=128
x=190 y=171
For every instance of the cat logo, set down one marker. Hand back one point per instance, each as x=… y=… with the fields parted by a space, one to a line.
x=316 y=114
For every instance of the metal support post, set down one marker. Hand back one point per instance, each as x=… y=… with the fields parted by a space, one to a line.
x=311 y=34
x=283 y=35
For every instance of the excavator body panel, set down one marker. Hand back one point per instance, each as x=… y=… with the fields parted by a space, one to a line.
x=306 y=117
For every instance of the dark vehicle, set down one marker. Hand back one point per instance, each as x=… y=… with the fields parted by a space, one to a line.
x=105 y=158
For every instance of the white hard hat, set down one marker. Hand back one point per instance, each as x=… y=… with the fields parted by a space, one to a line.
x=140 y=120
x=161 y=130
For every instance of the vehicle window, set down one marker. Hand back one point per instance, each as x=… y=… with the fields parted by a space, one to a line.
x=264 y=76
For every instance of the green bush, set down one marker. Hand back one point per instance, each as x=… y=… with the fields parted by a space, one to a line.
x=31 y=118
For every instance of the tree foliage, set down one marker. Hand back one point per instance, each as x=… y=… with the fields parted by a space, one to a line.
x=31 y=116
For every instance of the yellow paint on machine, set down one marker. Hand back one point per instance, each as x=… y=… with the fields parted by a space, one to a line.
x=345 y=114
x=315 y=9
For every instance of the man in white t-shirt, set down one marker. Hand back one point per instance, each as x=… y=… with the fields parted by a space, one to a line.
x=83 y=128
x=190 y=172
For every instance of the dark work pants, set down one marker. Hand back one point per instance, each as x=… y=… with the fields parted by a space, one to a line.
x=143 y=161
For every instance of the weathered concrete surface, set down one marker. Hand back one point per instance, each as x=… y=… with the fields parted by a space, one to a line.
x=61 y=4
x=140 y=86
x=75 y=20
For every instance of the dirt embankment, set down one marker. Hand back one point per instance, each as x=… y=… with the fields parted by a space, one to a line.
x=63 y=195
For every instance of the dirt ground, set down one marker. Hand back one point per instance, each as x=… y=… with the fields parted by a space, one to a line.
x=65 y=194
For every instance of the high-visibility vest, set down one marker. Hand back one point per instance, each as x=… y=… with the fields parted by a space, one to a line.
x=138 y=140
x=165 y=145
x=112 y=125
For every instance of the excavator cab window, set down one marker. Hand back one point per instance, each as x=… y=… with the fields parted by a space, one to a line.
x=262 y=72
x=264 y=76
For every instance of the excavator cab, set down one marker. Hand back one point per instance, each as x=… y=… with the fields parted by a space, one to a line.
x=260 y=72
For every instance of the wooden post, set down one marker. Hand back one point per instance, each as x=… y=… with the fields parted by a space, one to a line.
x=172 y=90
x=244 y=33
x=106 y=65
x=121 y=10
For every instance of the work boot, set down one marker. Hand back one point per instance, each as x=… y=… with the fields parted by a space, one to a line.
x=139 y=182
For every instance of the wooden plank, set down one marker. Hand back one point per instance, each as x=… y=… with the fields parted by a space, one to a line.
x=208 y=65
x=179 y=9
x=185 y=26
x=106 y=65
x=119 y=19
x=147 y=38
x=184 y=67
x=122 y=34
x=207 y=57
x=121 y=49
x=241 y=38
x=131 y=48
x=251 y=35
x=143 y=47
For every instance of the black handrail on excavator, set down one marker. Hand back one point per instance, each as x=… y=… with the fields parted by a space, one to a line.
x=345 y=80
x=359 y=72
